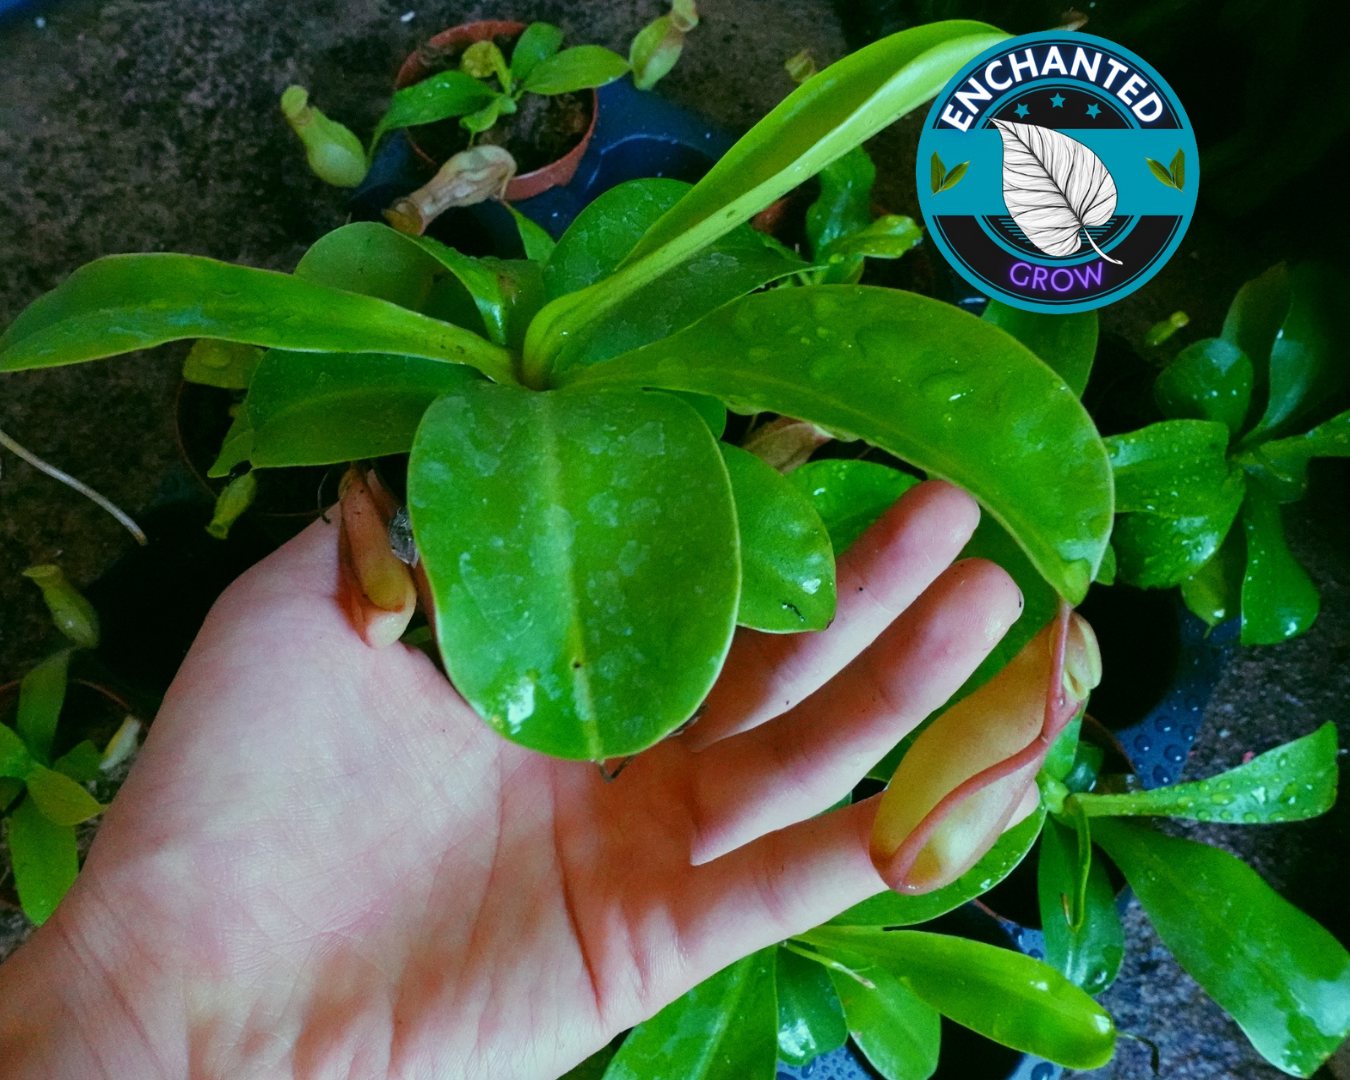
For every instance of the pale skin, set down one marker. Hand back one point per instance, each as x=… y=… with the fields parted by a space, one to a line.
x=324 y=864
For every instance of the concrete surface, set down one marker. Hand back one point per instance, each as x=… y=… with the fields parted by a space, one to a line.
x=149 y=125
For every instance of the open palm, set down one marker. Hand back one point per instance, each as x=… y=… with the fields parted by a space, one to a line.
x=324 y=864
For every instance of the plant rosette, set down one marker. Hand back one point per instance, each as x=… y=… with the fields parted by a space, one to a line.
x=576 y=111
x=590 y=543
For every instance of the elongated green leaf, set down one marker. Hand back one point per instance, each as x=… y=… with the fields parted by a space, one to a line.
x=849 y=495
x=954 y=177
x=1214 y=592
x=1279 y=600
x=81 y=763
x=1281 y=466
x=844 y=206
x=1158 y=169
x=1209 y=380
x=225 y=364
x=1156 y=552
x=1283 y=978
x=535 y=239
x=483 y=281
x=960 y=399
x=726 y=1028
x=482 y=119
x=1088 y=954
x=1175 y=468
x=1068 y=343
x=1308 y=370
x=578 y=68
x=889 y=237
x=45 y=860
x=1290 y=783
x=60 y=798
x=15 y=760
x=41 y=695
x=819 y=122
x=1251 y=324
x=124 y=302
x=894 y=909
x=810 y=1017
x=374 y=260
x=900 y=1034
x=321 y=408
x=787 y=564
x=1039 y=1011
x=445 y=94
x=539 y=41
x=582 y=551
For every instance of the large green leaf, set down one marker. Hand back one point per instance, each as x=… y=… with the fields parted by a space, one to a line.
x=582 y=550
x=41 y=696
x=507 y=292
x=1281 y=466
x=1038 y=1010
x=957 y=397
x=1175 y=468
x=124 y=302
x=787 y=564
x=1308 y=369
x=1251 y=324
x=1087 y=954
x=726 y=1028
x=1280 y=975
x=900 y=1034
x=896 y=909
x=849 y=495
x=321 y=408
x=45 y=860
x=1208 y=380
x=1279 y=600
x=372 y=259
x=61 y=799
x=810 y=1017
x=15 y=760
x=1068 y=343
x=445 y=94
x=1290 y=783
x=819 y=122
x=579 y=68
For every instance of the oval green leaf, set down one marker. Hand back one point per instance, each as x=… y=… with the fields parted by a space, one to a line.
x=849 y=495
x=45 y=860
x=61 y=800
x=1290 y=783
x=579 y=68
x=1279 y=600
x=445 y=94
x=1280 y=975
x=41 y=696
x=939 y=388
x=124 y=302
x=582 y=551
x=1281 y=466
x=1209 y=380
x=1252 y=321
x=787 y=564
x=1089 y=954
x=1039 y=1011
x=844 y=205
x=539 y=41
x=810 y=1017
x=1214 y=592
x=322 y=408
x=725 y=1028
x=15 y=760
x=1157 y=552
x=1176 y=468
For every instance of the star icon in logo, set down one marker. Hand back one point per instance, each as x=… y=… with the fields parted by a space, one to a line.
x=1057 y=101
x=1021 y=111
x=1093 y=110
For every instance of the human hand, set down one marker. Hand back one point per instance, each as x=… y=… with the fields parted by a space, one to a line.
x=324 y=863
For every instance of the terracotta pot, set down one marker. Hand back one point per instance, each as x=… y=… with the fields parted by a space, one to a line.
x=526 y=185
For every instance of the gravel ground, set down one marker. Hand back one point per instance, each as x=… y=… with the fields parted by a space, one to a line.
x=148 y=125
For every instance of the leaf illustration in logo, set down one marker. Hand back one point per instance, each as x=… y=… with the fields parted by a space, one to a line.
x=1158 y=169
x=941 y=179
x=1054 y=188
x=937 y=172
x=1179 y=169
